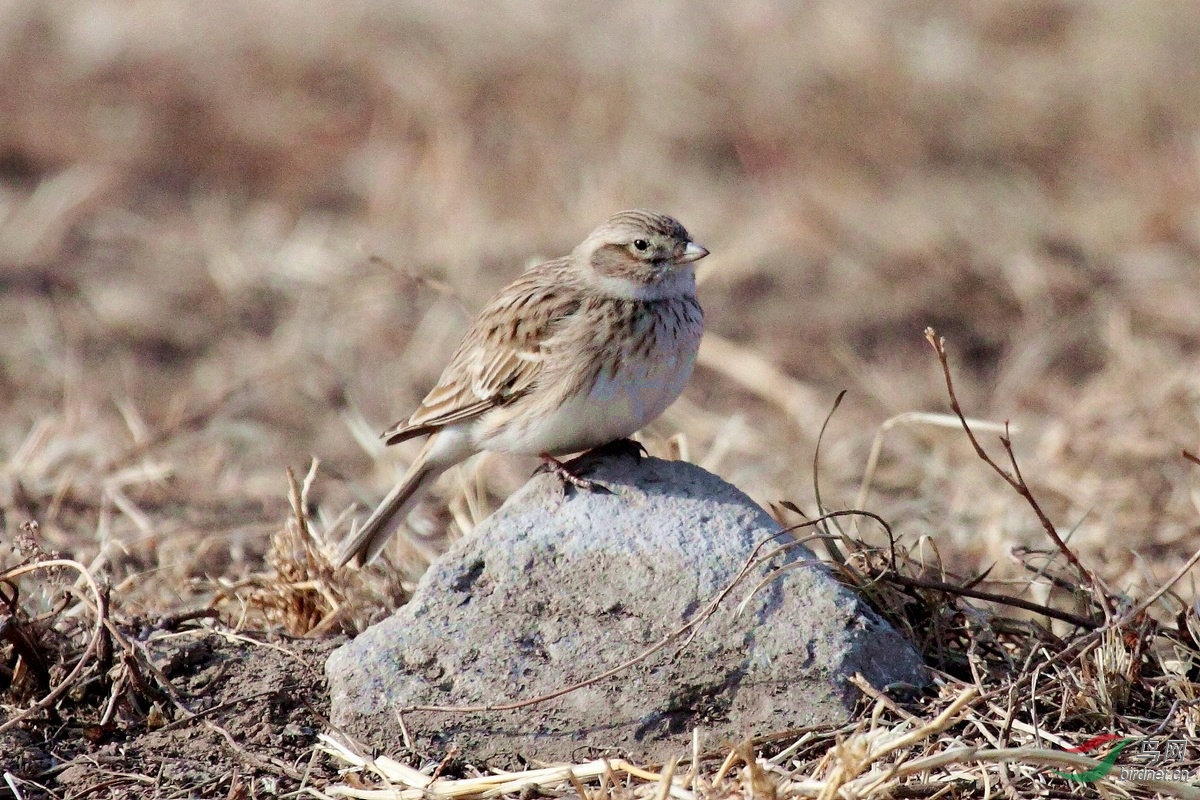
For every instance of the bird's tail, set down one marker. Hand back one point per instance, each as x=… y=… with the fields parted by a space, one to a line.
x=364 y=545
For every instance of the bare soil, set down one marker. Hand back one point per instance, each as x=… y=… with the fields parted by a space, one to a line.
x=258 y=707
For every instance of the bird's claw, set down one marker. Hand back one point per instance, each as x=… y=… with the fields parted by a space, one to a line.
x=568 y=476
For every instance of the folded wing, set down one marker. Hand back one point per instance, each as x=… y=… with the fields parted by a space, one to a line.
x=500 y=358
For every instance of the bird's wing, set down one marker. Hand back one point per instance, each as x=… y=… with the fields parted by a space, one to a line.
x=501 y=356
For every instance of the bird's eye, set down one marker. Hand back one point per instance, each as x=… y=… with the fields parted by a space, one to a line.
x=641 y=244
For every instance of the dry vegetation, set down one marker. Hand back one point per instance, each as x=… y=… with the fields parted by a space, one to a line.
x=235 y=236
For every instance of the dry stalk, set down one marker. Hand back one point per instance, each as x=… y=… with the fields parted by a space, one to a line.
x=1014 y=479
x=993 y=597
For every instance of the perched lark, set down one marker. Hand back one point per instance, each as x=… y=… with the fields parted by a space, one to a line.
x=575 y=353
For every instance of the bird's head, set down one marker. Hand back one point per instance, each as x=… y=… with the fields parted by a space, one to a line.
x=643 y=254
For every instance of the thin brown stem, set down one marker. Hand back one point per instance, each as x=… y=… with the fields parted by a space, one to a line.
x=991 y=597
x=1014 y=479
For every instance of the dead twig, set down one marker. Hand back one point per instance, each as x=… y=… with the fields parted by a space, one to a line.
x=830 y=545
x=1014 y=479
x=992 y=597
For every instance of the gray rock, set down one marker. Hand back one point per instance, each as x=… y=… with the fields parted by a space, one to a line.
x=561 y=585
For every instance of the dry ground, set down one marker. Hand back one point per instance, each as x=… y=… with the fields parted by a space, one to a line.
x=238 y=235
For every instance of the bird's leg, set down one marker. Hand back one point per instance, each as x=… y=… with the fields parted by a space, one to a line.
x=566 y=475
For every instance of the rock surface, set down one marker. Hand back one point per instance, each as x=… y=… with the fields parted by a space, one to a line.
x=561 y=585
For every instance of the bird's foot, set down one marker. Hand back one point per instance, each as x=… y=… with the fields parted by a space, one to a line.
x=569 y=476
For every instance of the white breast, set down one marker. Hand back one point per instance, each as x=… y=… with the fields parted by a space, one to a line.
x=616 y=406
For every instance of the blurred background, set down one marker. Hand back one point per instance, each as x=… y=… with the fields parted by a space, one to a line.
x=237 y=235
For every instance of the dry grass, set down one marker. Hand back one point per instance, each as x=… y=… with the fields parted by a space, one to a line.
x=235 y=236
x=1011 y=696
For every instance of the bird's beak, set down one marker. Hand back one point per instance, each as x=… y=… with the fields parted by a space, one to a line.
x=693 y=252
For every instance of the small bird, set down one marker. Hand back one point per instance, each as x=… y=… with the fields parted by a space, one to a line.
x=575 y=353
